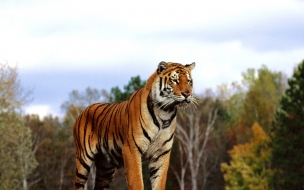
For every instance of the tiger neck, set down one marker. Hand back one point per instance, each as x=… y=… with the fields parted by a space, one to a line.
x=162 y=118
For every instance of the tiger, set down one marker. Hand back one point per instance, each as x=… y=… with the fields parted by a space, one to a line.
x=115 y=135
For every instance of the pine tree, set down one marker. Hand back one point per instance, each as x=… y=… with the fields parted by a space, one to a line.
x=288 y=135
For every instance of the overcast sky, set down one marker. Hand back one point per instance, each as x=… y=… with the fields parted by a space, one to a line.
x=64 y=45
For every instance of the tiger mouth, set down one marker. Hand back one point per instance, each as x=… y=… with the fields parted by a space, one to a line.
x=188 y=101
x=179 y=101
x=184 y=103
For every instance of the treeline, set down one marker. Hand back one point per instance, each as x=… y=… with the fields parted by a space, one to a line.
x=243 y=135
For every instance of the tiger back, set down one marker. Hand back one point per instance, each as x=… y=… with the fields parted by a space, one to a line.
x=123 y=134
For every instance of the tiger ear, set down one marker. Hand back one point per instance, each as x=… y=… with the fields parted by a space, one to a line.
x=190 y=66
x=161 y=67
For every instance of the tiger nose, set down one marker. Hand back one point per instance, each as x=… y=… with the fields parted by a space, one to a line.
x=186 y=94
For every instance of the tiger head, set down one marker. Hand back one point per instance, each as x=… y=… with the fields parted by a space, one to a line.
x=173 y=85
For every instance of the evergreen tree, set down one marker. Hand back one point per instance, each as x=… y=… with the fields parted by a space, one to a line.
x=288 y=135
x=117 y=95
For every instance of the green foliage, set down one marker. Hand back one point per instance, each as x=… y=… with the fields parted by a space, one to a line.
x=256 y=100
x=249 y=167
x=117 y=95
x=233 y=98
x=17 y=160
x=288 y=135
x=263 y=96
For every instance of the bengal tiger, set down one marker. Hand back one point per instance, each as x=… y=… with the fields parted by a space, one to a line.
x=123 y=134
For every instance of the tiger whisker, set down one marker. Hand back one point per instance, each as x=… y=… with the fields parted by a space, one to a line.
x=194 y=101
x=167 y=103
x=194 y=105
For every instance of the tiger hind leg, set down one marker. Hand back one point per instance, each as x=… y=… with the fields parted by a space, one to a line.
x=82 y=172
x=104 y=173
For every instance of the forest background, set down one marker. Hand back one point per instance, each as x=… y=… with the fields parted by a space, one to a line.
x=243 y=135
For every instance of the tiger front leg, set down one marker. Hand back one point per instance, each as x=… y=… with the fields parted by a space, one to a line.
x=158 y=167
x=132 y=164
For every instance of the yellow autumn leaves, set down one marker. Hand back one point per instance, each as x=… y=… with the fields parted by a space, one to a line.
x=249 y=168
